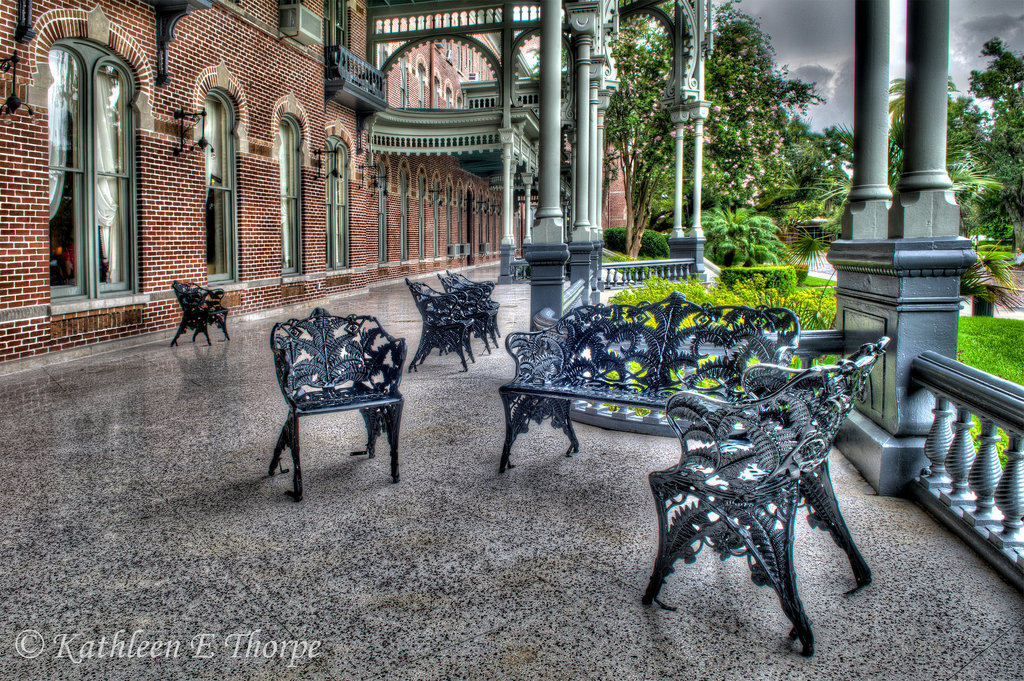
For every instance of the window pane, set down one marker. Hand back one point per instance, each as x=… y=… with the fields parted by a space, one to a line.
x=287 y=245
x=217 y=231
x=341 y=234
x=63 y=209
x=109 y=115
x=110 y=229
x=64 y=110
x=218 y=153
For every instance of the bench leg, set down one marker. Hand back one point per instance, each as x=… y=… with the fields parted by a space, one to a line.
x=181 y=329
x=372 y=417
x=521 y=409
x=421 y=352
x=289 y=438
x=394 y=425
x=816 y=487
x=283 y=441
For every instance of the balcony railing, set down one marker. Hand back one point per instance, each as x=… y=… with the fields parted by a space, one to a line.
x=967 y=487
x=352 y=81
x=635 y=272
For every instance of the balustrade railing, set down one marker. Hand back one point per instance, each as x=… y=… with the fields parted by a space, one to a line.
x=636 y=272
x=971 y=488
x=342 y=63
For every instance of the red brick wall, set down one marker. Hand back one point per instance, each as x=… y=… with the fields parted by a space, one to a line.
x=235 y=47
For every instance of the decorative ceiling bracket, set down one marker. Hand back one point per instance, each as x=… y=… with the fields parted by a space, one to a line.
x=23 y=31
x=168 y=12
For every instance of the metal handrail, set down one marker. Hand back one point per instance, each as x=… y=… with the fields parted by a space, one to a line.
x=341 y=62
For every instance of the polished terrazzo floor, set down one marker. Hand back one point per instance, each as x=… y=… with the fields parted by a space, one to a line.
x=135 y=500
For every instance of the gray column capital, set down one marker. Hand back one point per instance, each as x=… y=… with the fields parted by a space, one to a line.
x=679 y=114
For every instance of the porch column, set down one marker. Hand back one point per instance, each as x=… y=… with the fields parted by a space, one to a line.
x=508 y=244
x=581 y=246
x=594 y=181
x=597 y=217
x=695 y=249
x=548 y=253
x=905 y=286
x=678 y=244
x=867 y=207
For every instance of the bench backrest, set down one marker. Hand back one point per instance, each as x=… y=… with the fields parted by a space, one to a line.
x=453 y=281
x=736 y=448
x=436 y=307
x=342 y=355
x=190 y=296
x=660 y=347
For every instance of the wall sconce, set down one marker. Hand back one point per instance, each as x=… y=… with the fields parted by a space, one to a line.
x=13 y=102
x=376 y=183
x=180 y=115
x=435 y=194
x=319 y=153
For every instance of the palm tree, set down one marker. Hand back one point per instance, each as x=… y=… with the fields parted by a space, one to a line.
x=741 y=237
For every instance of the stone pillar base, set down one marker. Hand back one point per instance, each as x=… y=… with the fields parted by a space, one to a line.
x=689 y=247
x=597 y=284
x=579 y=264
x=887 y=462
x=508 y=251
x=547 y=276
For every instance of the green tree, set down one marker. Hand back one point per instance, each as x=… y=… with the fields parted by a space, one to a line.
x=1002 y=84
x=753 y=105
x=638 y=131
x=740 y=236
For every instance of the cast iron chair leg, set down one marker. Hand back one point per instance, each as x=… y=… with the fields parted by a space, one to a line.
x=512 y=429
x=372 y=418
x=181 y=329
x=770 y=555
x=296 y=492
x=675 y=539
x=561 y=418
x=283 y=440
x=824 y=513
x=394 y=424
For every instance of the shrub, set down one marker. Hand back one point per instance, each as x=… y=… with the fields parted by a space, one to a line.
x=801 y=274
x=779 y=277
x=652 y=244
x=816 y=309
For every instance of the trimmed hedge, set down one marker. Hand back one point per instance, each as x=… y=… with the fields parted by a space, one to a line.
x=782 y=278
x=801 y=274
x=652 y=244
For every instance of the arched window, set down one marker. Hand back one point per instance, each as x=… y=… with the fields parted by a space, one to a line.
x=288 y=152
x=448 y=215
x=337 y=205
x=421 y=189
x=220 y=184
x=421 y=84
x=92 y=172
x=403 y=212
x=449 y=103
x=335 y=23
x=382 y=213
x=435 y=197
x=460 y=204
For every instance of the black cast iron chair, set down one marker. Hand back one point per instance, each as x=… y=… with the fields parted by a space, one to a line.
x=483 y=310
x=446 y=324
x=327 y=364
x=747 y=465
x=200 y=307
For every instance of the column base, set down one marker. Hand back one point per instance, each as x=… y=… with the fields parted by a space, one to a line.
x=579 y=264
x=547 y=276
x=886 y=461
x=925 y=214
x=507 y=253
x=596 y=285
x=689 y=247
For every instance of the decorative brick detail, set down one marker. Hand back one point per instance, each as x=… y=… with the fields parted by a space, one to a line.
x=337 y=280
x=62 y=326
x=231 y=299
x=293 y=290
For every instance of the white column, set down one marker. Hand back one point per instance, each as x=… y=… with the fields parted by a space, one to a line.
x=679 y=117
x=581 y=225
x=698 y=116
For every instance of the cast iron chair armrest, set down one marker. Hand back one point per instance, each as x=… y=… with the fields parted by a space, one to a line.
x=538 y=355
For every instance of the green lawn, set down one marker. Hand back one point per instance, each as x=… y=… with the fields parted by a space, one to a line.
x=818 y=281
x=993 y=345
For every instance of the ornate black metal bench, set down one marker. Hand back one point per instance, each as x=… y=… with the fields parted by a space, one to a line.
x=328 y=364
x=479 y=305
x=747 y=465
x=200 y=307
x=636 y=356
x=446 y=324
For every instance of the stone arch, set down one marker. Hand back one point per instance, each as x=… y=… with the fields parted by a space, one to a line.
x=221 y=77
x=288 y=104
x=60 y=24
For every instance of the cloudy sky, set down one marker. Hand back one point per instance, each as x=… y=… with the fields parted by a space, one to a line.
x=814 y=38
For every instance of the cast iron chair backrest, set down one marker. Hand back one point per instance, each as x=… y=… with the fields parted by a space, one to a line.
x=453 y=280
x=331 y=355
x=736 y=449
x=436 y=307
x=193 y=297
x=664 y=347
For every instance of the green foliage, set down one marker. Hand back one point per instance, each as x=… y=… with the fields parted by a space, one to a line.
x=753 y=105
x=637 y=129
x=740 y=237
x=801 y=274
x=993 y=345
x=991 y=278
x=782 y=278
x=652 y=244
x=815 y=309
x=1002 y=84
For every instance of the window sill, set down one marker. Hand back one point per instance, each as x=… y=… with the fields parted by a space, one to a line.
x=73 y=306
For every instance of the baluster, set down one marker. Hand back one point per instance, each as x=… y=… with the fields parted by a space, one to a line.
x=1010 y=497
x=984 y=475
x=959 y=460
x=936 y=446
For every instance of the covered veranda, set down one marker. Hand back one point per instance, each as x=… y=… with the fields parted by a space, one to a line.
x=136 y=499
